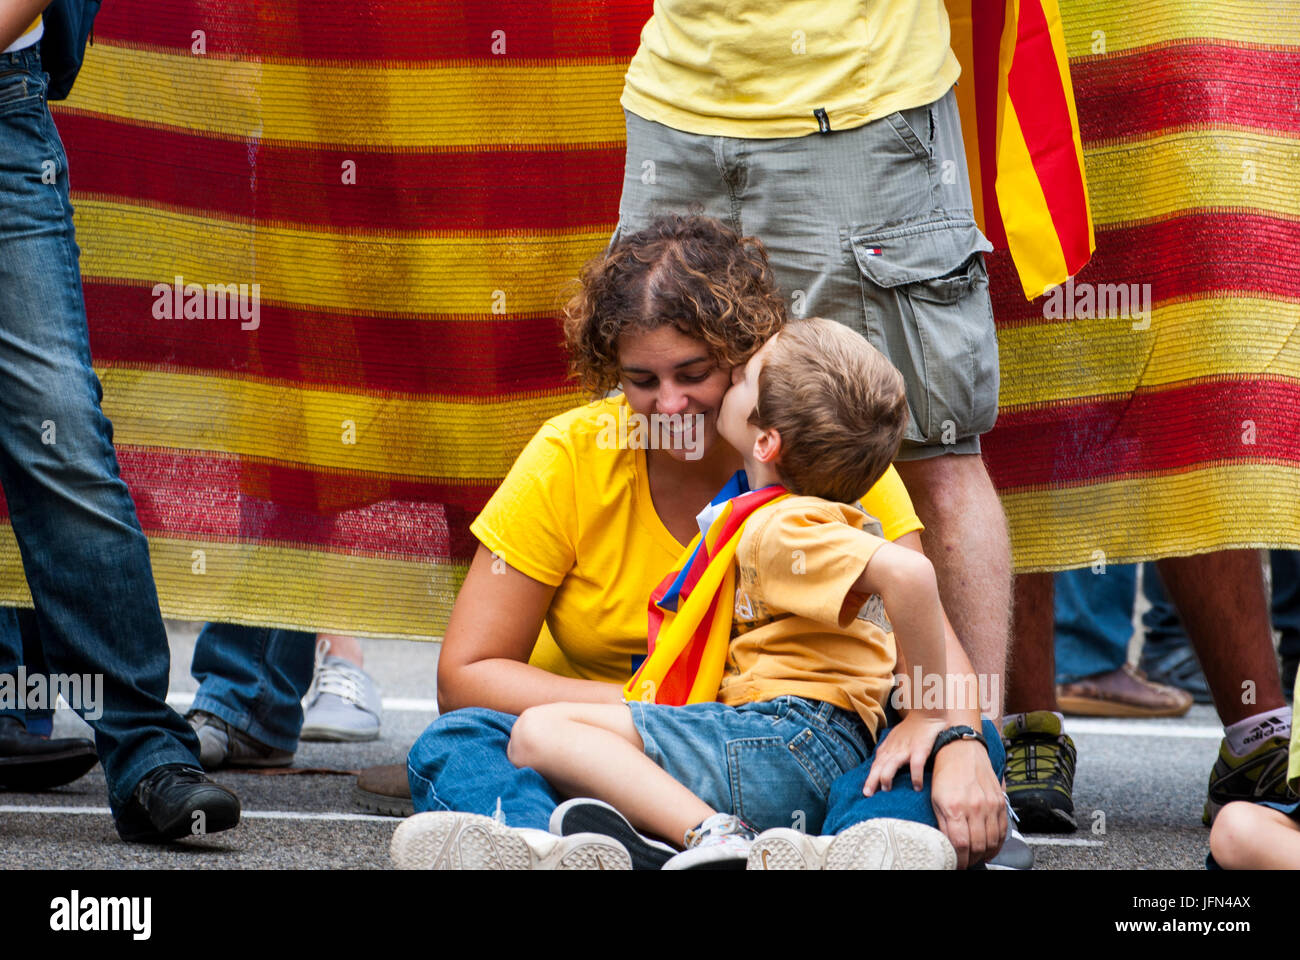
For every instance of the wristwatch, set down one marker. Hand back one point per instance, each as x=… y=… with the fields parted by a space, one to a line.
x=962 y=732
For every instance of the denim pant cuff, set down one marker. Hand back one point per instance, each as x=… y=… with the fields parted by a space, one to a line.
x=242 y=721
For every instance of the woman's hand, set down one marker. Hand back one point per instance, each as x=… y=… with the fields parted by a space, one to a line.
x=908 y=745
x=968 y=801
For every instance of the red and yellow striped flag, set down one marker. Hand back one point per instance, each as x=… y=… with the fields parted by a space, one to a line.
x=1022 y=136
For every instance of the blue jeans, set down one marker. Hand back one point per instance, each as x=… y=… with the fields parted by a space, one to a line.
x=20 y=644
x=84 y=555
x=254 y=678
x=1094 y=620
x=460 y=763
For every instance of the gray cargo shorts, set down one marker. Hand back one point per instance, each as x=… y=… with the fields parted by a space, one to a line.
x=872 y=227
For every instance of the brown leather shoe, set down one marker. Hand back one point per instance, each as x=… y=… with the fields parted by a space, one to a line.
x=1125 y=692
x=384 y=790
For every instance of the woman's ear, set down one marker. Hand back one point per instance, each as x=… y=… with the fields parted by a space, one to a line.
x=767 y=445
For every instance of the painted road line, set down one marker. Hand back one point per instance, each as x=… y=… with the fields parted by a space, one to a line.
x=1130 y=728
x=182 y=701
x=1062 y=842
x=246 y=814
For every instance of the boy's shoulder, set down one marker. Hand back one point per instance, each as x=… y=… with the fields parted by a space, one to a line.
x=807 y=511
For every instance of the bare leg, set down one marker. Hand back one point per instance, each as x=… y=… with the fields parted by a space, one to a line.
x=1247 y=836
x=1032 y=666
x=593 y=750
x=1221 y=599
x=966 y=539
x=346 y=647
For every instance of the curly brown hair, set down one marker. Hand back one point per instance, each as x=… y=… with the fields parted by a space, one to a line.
x=694 y=273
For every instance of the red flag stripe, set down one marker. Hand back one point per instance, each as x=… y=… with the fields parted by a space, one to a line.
x=1092 y=441
x=383 y=31
x=1035 y=88
x=988 y=18
x=497 y=190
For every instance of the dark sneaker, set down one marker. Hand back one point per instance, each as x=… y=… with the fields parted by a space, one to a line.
x=221 y=745
x=385 y=790
x=29 y=763
x=584 y=815
x=1040 y=773
x=176 y=801
x=1259 y=775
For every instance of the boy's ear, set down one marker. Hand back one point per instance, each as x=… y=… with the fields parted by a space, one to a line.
x=767 y=445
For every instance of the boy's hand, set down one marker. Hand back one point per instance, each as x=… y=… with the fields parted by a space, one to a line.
x=968 y=801
x=908 y=745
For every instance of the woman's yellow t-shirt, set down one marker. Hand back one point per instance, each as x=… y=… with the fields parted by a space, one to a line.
x=575 y=512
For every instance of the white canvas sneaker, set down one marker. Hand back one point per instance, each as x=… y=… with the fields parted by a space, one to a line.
x=467 y=841
x=882 y=844
x=343 y=702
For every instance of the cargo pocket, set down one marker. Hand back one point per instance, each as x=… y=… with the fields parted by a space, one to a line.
x=926 y=305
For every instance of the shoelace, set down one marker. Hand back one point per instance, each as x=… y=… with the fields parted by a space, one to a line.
x=342 y=679
x=1025 y=760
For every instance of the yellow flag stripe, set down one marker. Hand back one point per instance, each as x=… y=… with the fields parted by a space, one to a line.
x=363 y=272
x=1192 y=339
x=430 y=107
x=1031 y=232
x=412 y=438
x=1142 y=518
x=1094 y=27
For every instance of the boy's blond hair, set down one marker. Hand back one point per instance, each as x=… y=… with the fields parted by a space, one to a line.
x=838 y=404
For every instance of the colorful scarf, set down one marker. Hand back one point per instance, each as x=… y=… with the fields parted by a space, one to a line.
x=690 y=611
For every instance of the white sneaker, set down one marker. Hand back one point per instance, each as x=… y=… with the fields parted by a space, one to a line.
x=467 y=841
x=721 y=842
x=343 y=702
x=882 y=844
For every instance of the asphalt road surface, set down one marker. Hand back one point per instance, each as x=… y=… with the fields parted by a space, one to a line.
x=1138 y=793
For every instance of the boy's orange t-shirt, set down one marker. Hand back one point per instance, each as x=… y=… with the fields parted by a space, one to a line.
x=799 y=628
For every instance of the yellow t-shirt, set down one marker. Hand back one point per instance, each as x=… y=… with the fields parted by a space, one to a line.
x=1293 y=763
x=762 y=67
x=799 y=628
x=576 y=513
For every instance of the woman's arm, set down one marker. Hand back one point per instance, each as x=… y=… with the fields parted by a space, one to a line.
x=494 y=626
x=16 y=16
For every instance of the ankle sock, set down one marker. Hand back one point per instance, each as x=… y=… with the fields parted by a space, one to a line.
x=1246 y=735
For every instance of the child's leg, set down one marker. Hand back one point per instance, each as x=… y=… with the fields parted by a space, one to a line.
x=1247 y=836
x=594 y=750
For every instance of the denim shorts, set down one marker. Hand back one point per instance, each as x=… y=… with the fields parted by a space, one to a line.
x=871 y=226
x=770 y=763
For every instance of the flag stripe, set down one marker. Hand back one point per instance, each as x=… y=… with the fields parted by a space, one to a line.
x=1111 y=27
x=501 y=356
x=349 y=105
x=472 y=191
x=1147 y=432
x=405 y=30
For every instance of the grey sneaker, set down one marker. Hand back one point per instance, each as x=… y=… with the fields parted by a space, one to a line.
x=343 y=702
x=721 y=842
x=1015 y=853
x=446 y=840
x=221 y=745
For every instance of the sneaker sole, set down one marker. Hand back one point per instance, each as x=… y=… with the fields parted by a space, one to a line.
x=467 y=841
x=590 y=816
x=1039 y=816
x=337 y=735
x=382 y=804
x=883 y=844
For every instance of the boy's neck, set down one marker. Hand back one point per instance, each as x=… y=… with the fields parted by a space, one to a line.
x=760 y=475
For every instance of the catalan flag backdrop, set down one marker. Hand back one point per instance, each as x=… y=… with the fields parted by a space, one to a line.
x=1182 y=436
x=412 y=182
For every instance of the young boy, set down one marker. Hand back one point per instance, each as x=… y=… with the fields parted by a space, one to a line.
x=811 y=655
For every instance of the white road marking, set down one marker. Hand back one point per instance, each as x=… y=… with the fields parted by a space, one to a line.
x=182 y=701
x=1139 y=728
x=247 y=814
x=1062 y=842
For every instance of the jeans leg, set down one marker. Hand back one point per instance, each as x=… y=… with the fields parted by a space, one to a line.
x=460 y=763
x=11 y=656
x=20 y=644
x=848 y=806
x=1164 y=628
x=1286 y=599
x=254 y=678
x=1094 y=620
x=84 y=554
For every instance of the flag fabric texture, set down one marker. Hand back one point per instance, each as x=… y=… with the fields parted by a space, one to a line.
x=691 y=610
x=1151 y=406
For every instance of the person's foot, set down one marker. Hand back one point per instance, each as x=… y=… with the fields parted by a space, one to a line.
x=1040 y=772
x=385 y=790
x=221 y=745
x=175 y=801
x=882 y=844
x=1178 y=667
x=29 y=763
x=1125 y=692
x=1259 y=775
x=343 y=703
x=721 y=842
x=585 y=815
x=445 y=840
